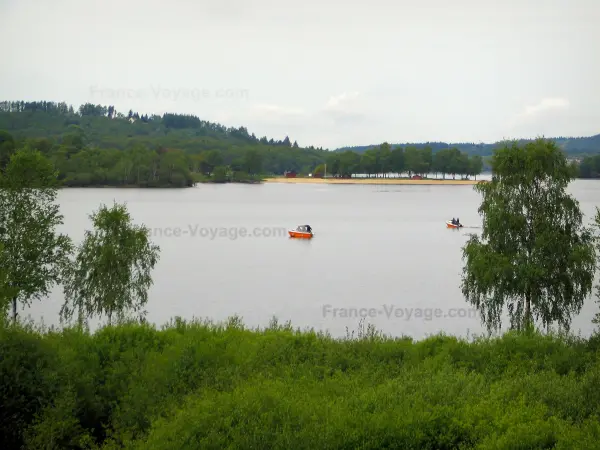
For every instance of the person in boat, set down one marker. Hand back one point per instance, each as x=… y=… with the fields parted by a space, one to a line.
x=454 y=221
x=458 y=222
x=308 y=228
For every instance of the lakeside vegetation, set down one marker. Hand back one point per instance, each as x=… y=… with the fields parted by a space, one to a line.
x=589 y=167
x=383 y=161
x=197 y=385
x=95 y=145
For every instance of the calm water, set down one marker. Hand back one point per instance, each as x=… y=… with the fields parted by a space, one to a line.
x=381 y=247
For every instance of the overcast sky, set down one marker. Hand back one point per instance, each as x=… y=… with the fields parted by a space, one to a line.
x=328 y=73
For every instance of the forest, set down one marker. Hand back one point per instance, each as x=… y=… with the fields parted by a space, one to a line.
x=96 y=145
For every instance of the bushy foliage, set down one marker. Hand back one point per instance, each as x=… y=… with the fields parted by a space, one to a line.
x=199 y=385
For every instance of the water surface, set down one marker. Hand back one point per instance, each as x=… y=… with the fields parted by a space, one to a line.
x=381 y=247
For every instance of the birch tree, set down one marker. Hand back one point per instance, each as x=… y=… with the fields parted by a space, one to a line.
x=534 y=256
x=35 y=253
x=111 y=273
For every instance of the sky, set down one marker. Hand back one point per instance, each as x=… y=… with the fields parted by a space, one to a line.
x=327 y=73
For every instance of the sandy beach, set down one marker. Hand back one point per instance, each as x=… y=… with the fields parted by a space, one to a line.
x=431 y=181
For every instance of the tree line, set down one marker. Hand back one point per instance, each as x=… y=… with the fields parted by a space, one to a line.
x=130 y=385
x=95 y=145
x=589 y=167
x=382 y=161
x=572 y=146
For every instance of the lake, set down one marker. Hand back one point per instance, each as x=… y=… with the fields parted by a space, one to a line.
x=384 y=248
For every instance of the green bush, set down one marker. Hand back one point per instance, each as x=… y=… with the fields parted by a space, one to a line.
x=199 y=385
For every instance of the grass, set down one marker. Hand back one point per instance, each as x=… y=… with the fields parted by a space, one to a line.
x=199 y=385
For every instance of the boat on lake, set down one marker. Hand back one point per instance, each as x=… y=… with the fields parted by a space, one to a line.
x=449 y=224
x=302 y=231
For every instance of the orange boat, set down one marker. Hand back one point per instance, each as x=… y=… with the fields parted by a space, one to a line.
x=449 y=224
x=303 y=231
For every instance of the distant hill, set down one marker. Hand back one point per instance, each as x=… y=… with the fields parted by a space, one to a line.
x=572 y=146
x=97 y=132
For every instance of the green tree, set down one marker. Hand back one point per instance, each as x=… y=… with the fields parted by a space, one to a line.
x=413 y=160
x=463 y=165
x=426 y=164
x=5 y=291
x=587 y=167
x=35 y=253
x=252 y=162
x=220 y=174
x=397 y=160
x=319 y=170
x=384 y=153
x=111 y=272
x=211 y=159
x=349 y=163
x=368 y=163
x=596 y=225
x=334 y=164
x=372 y=161
x=475 y=165
x=441 y=162
x=534 y=254
x=7 y=148
x=455 y=161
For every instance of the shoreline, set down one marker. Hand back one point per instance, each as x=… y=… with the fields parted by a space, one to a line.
x=397 y=181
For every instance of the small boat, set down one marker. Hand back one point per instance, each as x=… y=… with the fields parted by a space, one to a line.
x=301 y=232
x=449 y=224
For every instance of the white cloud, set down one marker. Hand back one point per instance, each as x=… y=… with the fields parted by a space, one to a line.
x=348 y=108
x=546 y=104
x=339 y=108
x=277 y=111
x=275 y=115
x=343 y=101
x=548 y=116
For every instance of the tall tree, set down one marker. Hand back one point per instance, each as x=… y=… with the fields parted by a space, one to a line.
x=413 y=160
x=210 y=160
x=111 y=273
x=5 y=290
x=7 y=148
x=252 y=162
x=441 y=162
x=475 y=165
x=534 y=255
x=397 y=159
x=596 y=225
x=35 y=254
x=384 y=155
x=426 y=164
